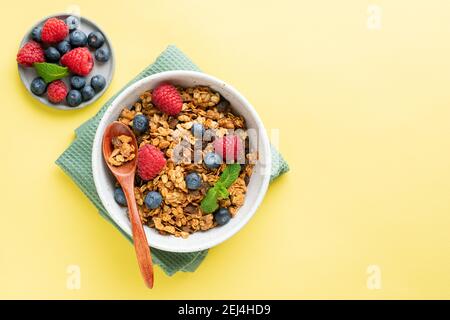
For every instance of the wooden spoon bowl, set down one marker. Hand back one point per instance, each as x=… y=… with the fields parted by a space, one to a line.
x=125 y=176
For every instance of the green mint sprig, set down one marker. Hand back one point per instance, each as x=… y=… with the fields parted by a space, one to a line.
x=50 y=71
x=220 y=189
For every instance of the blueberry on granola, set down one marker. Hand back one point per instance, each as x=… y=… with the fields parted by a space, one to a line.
x=98 y=82
x=223 y=105
x=78 y=39
x=222 y=216
x=77 y=82
x=63 y=47
x=140 y=123
x=73 y=23
x=193 y=181
x=119 y=196
x=102 y=54
x=51 y=54
x=212 y=160
x=153 y=200
x=95 y=40
x=197 y=129
x=36 y=34
x=74 y=98
x=87 y=92
x=38 y=86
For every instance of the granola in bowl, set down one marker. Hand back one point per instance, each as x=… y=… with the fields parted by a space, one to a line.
x=202 y=153
x=256 y=157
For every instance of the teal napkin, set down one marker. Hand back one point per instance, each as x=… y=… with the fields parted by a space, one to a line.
x=76 y=162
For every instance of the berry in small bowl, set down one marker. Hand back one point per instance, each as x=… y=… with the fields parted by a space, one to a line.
x=98 y=82
x=87 y=92
x=78 y=39
x=77 y=82
x=102 y=54
x=63 y=47
x=52 y=54
x=74 y=98
x=95 y=40
x=58 y=48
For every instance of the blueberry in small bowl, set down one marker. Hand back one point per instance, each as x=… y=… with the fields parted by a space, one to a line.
x=52 y=54
x=77 y=82
x=102 y=55
x=38 y=86
x=36 y=34
x=98 y=82
x=63 y=47
x=78 y=39
x=87 y=92
x=74 y=98
x=73 y=23
x=95 y=40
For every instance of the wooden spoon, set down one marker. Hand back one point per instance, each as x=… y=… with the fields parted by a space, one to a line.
x=125 y=176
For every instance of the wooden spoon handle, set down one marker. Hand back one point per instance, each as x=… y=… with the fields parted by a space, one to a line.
x=140 y=240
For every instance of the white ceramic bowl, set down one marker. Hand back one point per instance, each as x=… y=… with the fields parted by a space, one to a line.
x=257 y=186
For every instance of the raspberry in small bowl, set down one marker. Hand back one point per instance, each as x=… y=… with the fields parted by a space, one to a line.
x=58 y=65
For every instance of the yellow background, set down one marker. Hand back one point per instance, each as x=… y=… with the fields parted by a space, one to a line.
x=364 y=120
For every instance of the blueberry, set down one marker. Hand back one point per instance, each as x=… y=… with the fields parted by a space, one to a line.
x=74 y=98
x=119 y=196
x=63 y=47
x=73 y=23
x=197 y=129
x=78 y=39
x=223 y=105
x=140 y=123
x=87 y=92
x=38 y=86
x=98 y=82
x=212 y=160
x=52 y=55
x=95 y=40
x=102 y=54
x=222 y=216
x=36 y=34
x=77 y=82
x=193 y=181
x=153 y=200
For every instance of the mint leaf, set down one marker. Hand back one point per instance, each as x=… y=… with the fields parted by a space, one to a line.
x=50 y=71
x=209 y=203
x=230 y=174
x=222 y=192
x=219 y=190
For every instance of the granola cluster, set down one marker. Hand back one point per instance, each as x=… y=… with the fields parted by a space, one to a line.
x=180 y=213
x=123 y=150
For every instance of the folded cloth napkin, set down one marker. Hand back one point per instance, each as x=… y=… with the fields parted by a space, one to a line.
x=76 y=162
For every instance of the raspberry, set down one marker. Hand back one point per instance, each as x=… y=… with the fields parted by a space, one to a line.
x=150 y=162
x=78 y=60
x=167 y=98
x=229 y=147
x=54 y=30
x=56 y=91
x=30 y=53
